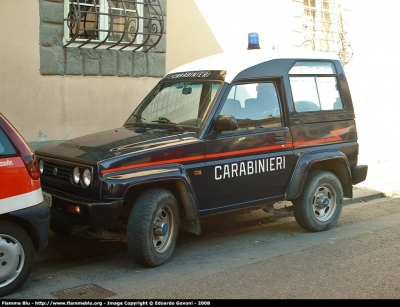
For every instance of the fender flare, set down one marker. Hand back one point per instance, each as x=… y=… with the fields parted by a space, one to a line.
x=304 y=164
x=116 y=185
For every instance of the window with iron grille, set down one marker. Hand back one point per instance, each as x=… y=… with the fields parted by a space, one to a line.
x=323 y=28
x=113 y=24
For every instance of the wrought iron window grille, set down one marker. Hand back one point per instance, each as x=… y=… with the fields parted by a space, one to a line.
x=135 y=25
x=323 y=29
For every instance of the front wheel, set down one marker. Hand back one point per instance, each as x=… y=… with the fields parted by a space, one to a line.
x=153 y=227
x=16 y=257
x=320 y=204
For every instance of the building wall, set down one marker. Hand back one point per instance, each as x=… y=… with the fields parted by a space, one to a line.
x=212 y=27
x=49 y=100
x=373 y=77
x=205 y=27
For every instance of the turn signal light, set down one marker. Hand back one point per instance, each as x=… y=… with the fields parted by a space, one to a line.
x=74 y=209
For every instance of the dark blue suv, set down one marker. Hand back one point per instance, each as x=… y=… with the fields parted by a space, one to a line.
x=227 y=132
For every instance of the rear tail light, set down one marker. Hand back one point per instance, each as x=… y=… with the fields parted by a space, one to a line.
x=32 y=165
x=25 y=152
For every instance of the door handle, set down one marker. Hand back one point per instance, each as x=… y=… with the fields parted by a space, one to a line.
x=279 y=139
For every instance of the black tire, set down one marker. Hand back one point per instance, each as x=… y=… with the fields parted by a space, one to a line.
x=16 y=257
x=153 y=227
x=321 y=202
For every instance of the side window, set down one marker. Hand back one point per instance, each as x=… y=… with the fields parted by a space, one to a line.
x=6 y=148
x=314 y=87
x=254 y=105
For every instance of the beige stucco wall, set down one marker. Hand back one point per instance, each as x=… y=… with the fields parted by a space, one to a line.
x=55 y=107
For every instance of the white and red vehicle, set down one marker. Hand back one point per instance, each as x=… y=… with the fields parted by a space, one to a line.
x=24 y=217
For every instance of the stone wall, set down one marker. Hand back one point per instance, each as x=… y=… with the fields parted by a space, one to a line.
x=58 y=60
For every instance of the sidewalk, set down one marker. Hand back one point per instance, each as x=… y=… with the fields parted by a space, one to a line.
x=383 y=172
x=362 y=194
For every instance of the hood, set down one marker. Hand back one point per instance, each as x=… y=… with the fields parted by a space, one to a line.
x=110 y=143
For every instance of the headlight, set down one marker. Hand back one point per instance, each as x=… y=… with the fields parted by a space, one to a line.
x=41 y=166
x=87 y=176
x=76 y=175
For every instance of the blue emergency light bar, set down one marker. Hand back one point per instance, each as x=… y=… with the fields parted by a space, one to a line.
x=253 y=41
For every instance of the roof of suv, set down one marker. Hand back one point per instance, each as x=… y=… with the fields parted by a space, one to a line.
x=235 y=62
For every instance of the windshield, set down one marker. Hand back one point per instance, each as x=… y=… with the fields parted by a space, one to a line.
x=181 y=103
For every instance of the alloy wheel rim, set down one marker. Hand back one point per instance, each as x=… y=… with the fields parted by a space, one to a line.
x=12 y=259
x=324 y=202
x=163 y=229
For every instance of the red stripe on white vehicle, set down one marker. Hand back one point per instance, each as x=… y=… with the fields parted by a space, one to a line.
x=21 y=201
x=14 y=178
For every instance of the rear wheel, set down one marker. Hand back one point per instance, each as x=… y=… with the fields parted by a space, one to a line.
x=16 y=257
x=153 y=227
x=321 y=202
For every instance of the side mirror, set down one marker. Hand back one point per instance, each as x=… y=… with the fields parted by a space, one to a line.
x=225 y=123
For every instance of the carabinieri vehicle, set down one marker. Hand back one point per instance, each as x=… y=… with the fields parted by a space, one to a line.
x=228 y=132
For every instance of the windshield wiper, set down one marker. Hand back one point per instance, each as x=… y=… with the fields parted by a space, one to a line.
x=164 y=120
x=141 y=120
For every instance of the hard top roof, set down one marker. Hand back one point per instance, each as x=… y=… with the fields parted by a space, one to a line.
x=235 y=62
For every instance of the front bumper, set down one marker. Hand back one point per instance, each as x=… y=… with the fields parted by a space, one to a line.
x=93 y=213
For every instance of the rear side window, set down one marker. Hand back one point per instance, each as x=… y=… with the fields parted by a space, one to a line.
x=6 y=148
x=314 y=87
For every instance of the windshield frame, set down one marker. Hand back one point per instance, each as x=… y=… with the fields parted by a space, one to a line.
x=205 y=88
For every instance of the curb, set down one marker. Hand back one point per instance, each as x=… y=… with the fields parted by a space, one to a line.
x=363 y=195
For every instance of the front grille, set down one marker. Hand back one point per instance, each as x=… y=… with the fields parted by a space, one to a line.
x=57 y=171
x=62 y=179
